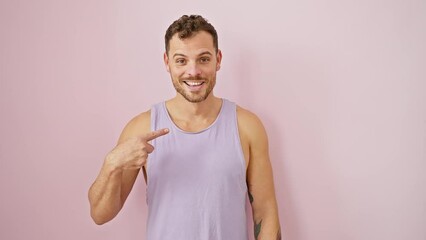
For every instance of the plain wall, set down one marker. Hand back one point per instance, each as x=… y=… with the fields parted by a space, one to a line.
x=340 y=87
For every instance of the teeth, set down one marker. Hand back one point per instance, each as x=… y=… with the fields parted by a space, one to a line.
x=193 y=83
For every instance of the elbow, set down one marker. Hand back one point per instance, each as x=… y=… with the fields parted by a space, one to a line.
x=102 y=213
x=99 y=215
x=99 y=220
x=266 y=210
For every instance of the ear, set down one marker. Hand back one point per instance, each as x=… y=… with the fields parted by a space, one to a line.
x=166 y=61
x=218 y=59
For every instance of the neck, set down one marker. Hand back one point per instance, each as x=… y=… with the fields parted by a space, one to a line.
x=205 y=109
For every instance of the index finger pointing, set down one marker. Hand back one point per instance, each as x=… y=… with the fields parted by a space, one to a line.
x=155 y=134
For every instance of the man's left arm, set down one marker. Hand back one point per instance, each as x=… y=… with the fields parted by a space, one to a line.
x=260 y=180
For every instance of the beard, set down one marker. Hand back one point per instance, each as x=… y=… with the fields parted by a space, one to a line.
x=194 y=97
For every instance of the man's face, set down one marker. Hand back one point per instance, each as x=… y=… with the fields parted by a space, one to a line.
x=192 y=64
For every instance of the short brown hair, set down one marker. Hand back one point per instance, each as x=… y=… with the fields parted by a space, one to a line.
x=186 y=26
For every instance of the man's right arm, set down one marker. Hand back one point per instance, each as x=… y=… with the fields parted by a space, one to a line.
x=120 y=169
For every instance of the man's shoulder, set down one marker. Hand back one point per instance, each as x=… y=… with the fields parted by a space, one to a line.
x=138 y=125
x=247 y=117
x=140 y=120
x=249 y=123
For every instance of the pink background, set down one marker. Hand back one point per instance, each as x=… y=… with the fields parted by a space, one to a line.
x=339 y=85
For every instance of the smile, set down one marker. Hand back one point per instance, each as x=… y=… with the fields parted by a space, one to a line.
x=193 y=84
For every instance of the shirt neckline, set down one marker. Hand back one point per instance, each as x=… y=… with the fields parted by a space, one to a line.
x=187 y=132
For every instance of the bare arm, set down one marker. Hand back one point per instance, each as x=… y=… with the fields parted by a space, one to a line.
x=120 y=169
x=260 y=179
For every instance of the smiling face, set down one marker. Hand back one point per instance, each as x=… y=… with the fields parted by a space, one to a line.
x=192 y=63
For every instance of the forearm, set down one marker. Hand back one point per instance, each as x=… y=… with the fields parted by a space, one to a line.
x=267 y=227
x=105 y=195
x=266 y=220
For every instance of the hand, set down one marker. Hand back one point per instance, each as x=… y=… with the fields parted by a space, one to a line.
x=133 y=153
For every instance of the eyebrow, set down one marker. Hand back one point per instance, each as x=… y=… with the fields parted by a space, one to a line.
x=183 y=55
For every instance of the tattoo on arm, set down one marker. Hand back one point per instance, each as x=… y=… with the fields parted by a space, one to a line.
x=257 y=228
x=250 y=197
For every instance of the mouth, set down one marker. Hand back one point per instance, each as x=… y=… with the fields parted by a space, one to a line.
x=194 y=85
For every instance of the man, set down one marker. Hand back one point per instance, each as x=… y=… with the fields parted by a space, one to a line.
x=209 y=153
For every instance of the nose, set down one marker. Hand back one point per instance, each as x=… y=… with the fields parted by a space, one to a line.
x=193 y=69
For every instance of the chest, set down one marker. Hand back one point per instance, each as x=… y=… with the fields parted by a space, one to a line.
x=192 y=156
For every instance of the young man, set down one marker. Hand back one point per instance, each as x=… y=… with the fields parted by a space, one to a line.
x=209 y=153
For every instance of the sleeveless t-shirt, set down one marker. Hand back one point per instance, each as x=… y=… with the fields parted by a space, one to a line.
x=196 y=188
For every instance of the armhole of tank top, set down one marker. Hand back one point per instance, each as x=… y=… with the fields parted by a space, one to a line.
x=240 y=146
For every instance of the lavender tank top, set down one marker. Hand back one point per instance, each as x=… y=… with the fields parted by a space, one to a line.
x=196 y=186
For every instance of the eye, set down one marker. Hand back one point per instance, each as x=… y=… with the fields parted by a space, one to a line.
x=180 y=61
x=204 y=59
